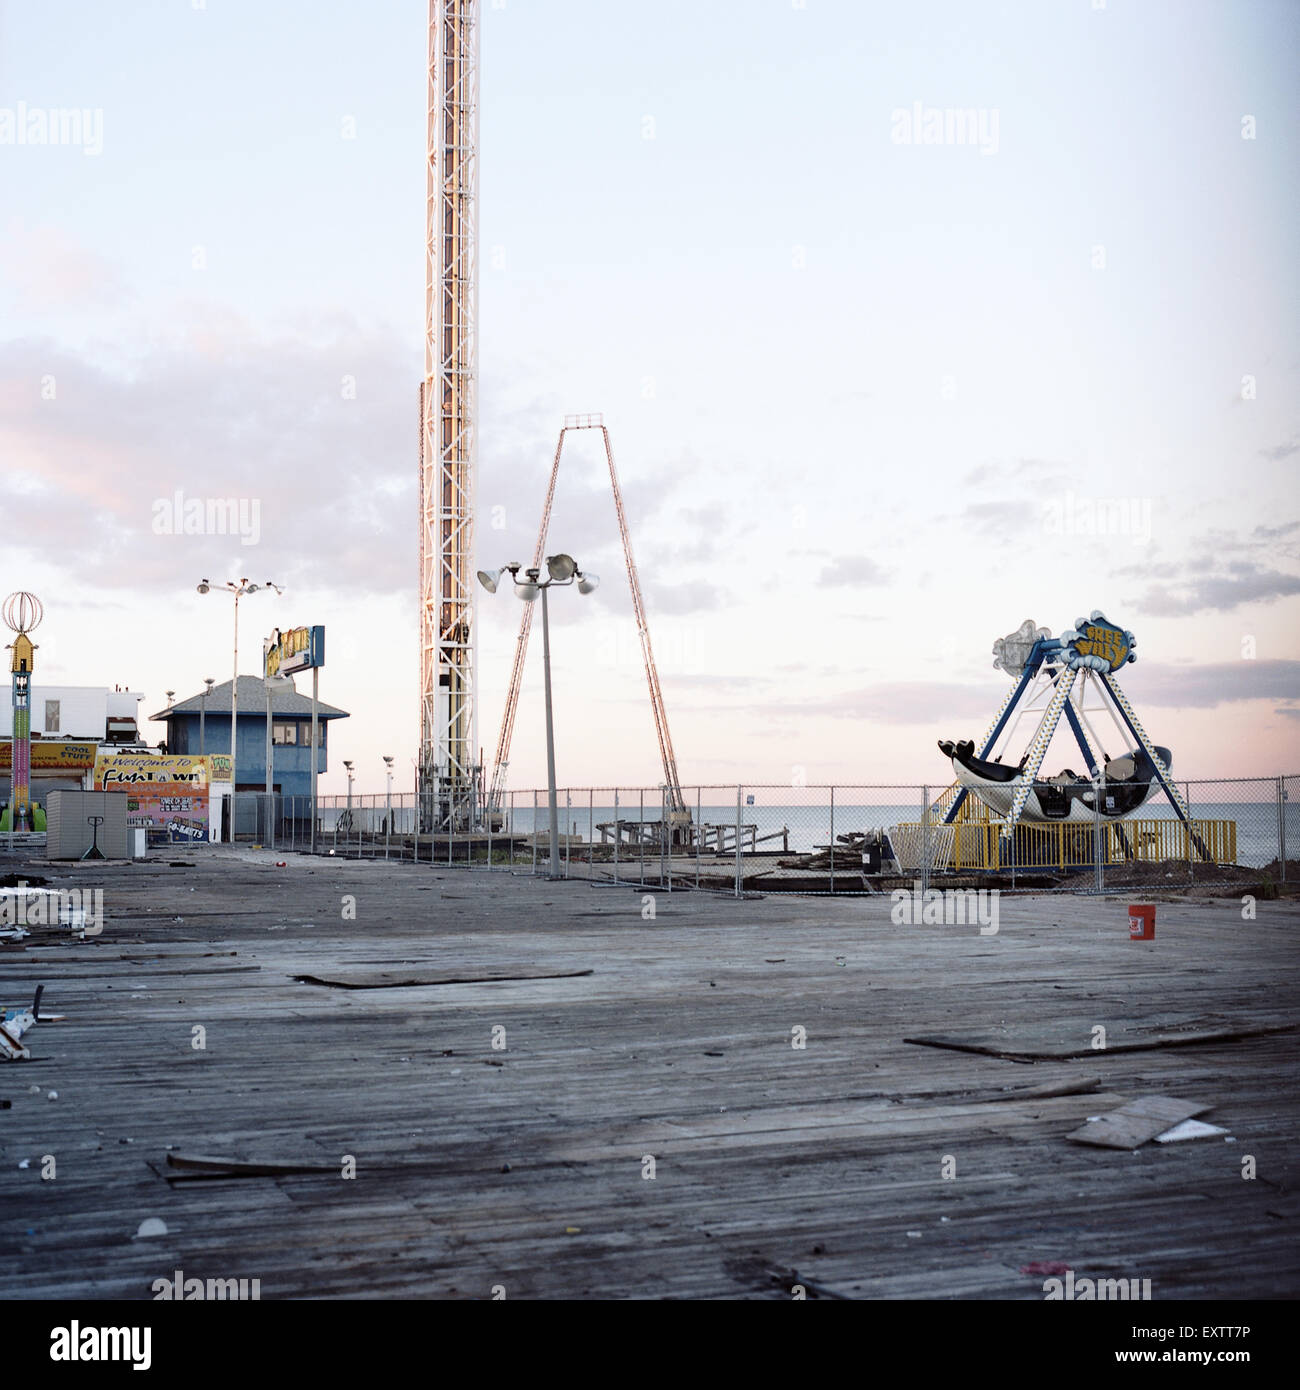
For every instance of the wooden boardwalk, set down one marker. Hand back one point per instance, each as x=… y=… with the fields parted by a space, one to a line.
x=525 y=1166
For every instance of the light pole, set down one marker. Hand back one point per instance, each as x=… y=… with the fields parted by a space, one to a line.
x=562 y=570
x=272 y=683
x=388 y=806
x=239 y=590
x=171 y=695
x=209 y=682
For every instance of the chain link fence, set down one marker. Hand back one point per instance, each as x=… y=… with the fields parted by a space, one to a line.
x=841 y=839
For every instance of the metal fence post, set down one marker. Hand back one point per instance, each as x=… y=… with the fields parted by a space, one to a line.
x=665 y=856
x=698 y=830
x=832 y=840
x=534 y=834
x=618 y=833
x=925 y=841
x=640 y=834
x=1281 y=829
x=740 y=878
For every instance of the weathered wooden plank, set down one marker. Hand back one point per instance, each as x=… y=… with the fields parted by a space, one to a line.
x=1137 y=1121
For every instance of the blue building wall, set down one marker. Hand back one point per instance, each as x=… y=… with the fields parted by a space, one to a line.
x=291 y=764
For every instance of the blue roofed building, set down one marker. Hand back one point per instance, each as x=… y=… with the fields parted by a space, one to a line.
x=201 y=724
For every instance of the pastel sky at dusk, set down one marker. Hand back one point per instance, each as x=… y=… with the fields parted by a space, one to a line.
x=867 y=397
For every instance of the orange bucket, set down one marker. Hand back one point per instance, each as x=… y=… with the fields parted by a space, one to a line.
x=1142 y=922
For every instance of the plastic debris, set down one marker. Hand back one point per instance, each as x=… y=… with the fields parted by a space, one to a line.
x=1189 y=1129
x=51 y=1095
x=151 y=1226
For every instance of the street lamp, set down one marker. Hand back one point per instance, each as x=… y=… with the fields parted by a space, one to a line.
x=388 y=806
x=347 y=763
x=203 y=710
x=239 y=590
x=561 y=570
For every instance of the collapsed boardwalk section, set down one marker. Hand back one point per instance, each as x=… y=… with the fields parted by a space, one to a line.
x=356 y=1079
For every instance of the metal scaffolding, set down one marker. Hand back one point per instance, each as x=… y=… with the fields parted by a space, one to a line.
x=449 y=418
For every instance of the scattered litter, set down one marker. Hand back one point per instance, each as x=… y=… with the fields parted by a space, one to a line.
x=12 y=1027
x=51 y=1095
x=774 y=960
x=281 y=863
x=1139 y=1120
x=1049 y=1267
x=572 y=1230
x=914 y=1235
x=25 y=1163
x=34 y=1090
x=151 y=1226
x=1189 y=1129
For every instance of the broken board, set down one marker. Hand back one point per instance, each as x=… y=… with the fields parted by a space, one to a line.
x=389 y=979
x=1058 y=1041
x=1133 y=1124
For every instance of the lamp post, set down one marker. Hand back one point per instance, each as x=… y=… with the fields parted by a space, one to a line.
x=561 y=570
x=272 y=684
x=209 y=682
x=243 y=587
x=388 y=804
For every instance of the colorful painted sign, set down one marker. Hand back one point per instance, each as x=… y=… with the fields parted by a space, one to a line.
x=49 y=755
x=167 y=793
x=298 y=649
x=1098 y=645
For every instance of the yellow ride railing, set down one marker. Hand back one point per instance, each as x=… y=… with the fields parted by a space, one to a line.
x=977 y=844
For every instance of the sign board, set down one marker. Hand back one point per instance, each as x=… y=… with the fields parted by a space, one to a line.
x=1098 y=645
x=297 y=649
x=49 y=755
x=167 y=793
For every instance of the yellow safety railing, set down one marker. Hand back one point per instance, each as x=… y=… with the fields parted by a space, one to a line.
x=976 y=844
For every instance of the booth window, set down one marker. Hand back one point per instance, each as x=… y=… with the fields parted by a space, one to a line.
x=284 y=733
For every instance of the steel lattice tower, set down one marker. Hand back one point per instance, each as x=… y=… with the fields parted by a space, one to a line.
x=449 y=419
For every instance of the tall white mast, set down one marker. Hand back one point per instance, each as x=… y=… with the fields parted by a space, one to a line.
x=449 y=420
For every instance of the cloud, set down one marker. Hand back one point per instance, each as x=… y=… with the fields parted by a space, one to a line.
x=1281 y=451
x=852 y=569
x=48 y=271
x=1203 y=687
x=908 y=703
x=1244 y=583
x=313 y=430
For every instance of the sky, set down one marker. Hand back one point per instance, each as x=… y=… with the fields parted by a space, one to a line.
x=908 y=323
